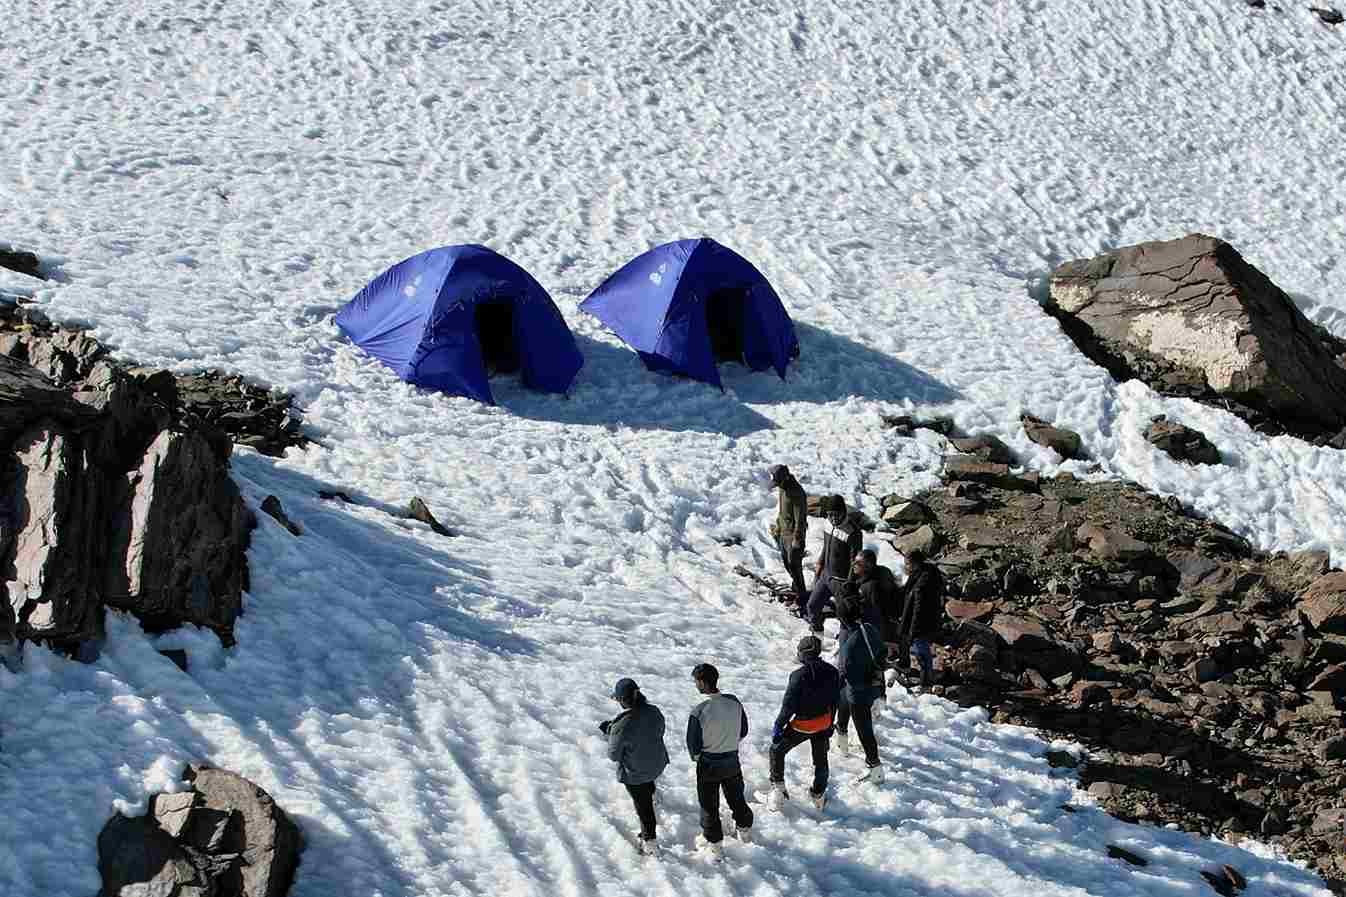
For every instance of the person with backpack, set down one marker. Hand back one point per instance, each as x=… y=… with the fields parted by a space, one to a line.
x=806 y=714
x=861 y=658
x=791 y=527
x=922 y=613
x=841 y=543
x=636 y=744
x=714 y=729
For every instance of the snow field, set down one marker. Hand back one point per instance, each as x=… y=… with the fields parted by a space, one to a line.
x=209 y=182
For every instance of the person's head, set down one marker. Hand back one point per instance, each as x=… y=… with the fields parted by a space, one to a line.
x=706 y=678
x=848 y=611
x=914 y=556
x=836 y=509
x=626 y=693
x=810 y=647
x=865 y=561
x=779 y=474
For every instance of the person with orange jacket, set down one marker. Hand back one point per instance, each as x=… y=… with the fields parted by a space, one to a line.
x=806 y=714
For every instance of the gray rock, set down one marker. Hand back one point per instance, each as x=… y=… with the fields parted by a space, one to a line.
x=136 y=857
x=1203 y=670
x=1126 y=856
x=28 y=396
x=984 y=446
x=904 y=514
x=268 y=841
x=1181 y=442
x=23 y=262
x=1328 y=15
x=1324 y=602
x=1110 y=544
x=271 y=507
x=992 y=474
x=925 y=538
x=1062 y=760
x=1065 y=443
x=1335 y=749
x=1191 y=316
x=172 y=811
x=417 y=510
x=1331 y=679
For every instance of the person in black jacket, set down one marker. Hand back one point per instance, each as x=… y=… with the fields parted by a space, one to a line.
x=636 y=744
x=922 y=613
x=806 y=714
x=862 y=658
x=880 y=594
x=842 y=541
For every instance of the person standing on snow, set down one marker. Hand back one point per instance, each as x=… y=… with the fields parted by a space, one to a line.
x=880 y=595
x=714 y=729
x=861 y=657
x=791 y=526
x=636 y=743
x=841 y=543
x=806 y=714
x=922 y=613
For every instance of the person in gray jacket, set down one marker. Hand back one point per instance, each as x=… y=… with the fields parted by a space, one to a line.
x=714 y=729
x=636 y=743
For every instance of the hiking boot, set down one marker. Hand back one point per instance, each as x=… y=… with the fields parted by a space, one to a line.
x=778 y=796
x=743 y=833
x=819 y=800
x=873 y=775
x=843 y=741
x=713 y=852
x=647 y=847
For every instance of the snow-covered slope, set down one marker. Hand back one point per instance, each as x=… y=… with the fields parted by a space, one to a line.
x=214 y=179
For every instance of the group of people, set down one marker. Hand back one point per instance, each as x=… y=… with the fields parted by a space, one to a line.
x=881 y=624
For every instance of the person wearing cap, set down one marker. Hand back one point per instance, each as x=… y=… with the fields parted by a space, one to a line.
x=791 y=527
x=842 y=541
x=922 y=613
x=714 y=729
x=806 y=714
x=861 y=657
x=636 y=744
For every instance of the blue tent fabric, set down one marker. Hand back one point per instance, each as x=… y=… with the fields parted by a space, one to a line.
x=420 y=319
x=657 y=303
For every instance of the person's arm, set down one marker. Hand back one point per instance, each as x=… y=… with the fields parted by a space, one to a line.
x=799 y=514
x=743 y=729
x=694 y=735
x=616 y=739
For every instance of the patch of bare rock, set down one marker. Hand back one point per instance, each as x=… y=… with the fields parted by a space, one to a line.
x=1191 y=317
x=116 y=487
x=222 y=837
x=1207 y=679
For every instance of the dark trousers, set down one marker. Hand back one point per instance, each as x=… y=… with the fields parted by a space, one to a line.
x=793 y=739
x=821 y=596
x=863 y=714
x=643 y=797
x=793 y=559
x=708 y=795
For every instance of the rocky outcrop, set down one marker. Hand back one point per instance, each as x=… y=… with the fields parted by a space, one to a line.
x=225 y=837
x=1205 y=677
x=1181 y=442
x=115 y=494
x=1191 y=317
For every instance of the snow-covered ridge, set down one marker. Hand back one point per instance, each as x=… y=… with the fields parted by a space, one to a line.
x=217 y=179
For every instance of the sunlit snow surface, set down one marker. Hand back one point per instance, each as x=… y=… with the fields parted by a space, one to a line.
x=208 y=182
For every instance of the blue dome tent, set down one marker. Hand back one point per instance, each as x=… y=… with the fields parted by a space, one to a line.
x=685 y=306
x=448 y=318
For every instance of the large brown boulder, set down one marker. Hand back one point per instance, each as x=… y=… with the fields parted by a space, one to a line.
x=265 y=839
x=1192 y=317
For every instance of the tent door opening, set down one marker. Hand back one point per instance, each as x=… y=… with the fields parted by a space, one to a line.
x=495 y=332
x=724 y=323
